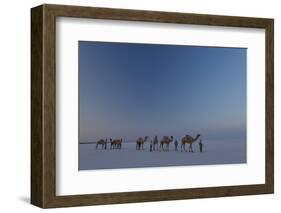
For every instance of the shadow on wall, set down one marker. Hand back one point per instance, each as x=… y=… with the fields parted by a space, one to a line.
x=24 y=199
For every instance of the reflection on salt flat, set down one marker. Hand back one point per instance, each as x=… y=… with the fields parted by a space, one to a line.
x=214 y=152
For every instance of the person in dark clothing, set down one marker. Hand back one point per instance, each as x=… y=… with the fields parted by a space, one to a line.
x=200 y=146
x=105 y=144
x=176 y=145
x=155 y=143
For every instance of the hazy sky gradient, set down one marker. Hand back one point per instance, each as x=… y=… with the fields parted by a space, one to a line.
x=131 y=90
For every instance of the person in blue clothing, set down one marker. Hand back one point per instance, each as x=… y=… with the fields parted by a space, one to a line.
x=176 y=145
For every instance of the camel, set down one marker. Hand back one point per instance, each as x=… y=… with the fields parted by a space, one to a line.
x=166 y=140
x=140 y=142
x=101 y=142
x=116 y=144
x=187 y=139
x=155 y=143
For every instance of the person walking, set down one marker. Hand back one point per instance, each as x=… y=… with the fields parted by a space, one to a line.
x=176 y=145
x=155 y=143
x=105 y=144
x=200 y=146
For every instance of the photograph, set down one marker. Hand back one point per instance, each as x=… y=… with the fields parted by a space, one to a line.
x=156 y=105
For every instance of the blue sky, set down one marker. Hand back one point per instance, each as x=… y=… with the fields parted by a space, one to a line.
x=130 y=90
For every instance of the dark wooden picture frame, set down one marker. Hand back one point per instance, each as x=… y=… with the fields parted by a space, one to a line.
x=43 y=105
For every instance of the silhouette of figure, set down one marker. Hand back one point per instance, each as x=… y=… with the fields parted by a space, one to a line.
x=105 y=144
x=200 y=146
x=155 y=143
x=151 y=145
x=111 y=144
x=176 y=145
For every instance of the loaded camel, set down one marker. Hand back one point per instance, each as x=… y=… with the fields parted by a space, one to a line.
x=166 y=140
x=187 y=139
x=140 y=142
x=116 y=144
x=101 y=142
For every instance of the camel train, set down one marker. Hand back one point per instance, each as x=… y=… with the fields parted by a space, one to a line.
x=165 y=140
x=163 y=145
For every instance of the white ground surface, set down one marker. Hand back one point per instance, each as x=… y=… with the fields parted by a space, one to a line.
x=214 y=152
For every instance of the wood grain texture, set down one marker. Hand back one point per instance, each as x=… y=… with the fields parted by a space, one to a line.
x=43 y=105
x=36 y=106
x=269 y=118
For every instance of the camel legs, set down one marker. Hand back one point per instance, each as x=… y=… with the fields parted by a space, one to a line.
x=167 y=147
x=161 y=147
x=97 y=146
x=153 y=147
x=190 y=148
x=183 y=146
x=138 y=146
x=164 y=147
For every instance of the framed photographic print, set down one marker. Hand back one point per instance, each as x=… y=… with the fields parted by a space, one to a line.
x=136 y=106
